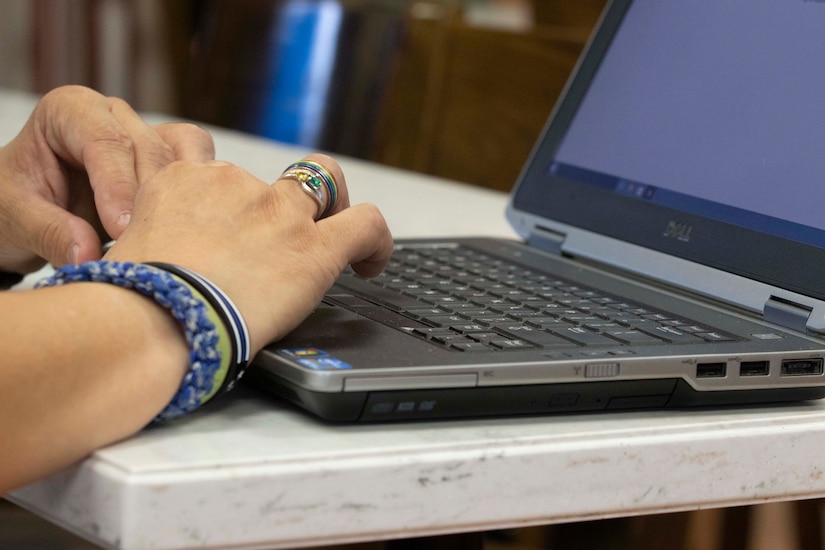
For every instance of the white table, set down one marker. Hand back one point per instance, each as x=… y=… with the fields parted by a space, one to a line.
x=251 y=472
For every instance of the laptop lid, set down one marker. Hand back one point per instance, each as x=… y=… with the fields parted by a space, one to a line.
x=690 y=146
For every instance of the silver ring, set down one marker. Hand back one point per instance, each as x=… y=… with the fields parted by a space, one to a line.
x=317 y=182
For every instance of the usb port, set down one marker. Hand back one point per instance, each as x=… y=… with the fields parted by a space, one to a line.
x=754 y=368
x=802 y=367
x=711 y=370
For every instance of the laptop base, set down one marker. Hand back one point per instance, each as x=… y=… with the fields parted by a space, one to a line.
x=452 y=403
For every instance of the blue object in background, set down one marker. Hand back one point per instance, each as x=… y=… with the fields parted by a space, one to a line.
x=313 y=73
x=300 y=64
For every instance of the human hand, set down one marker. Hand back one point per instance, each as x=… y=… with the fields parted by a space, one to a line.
x=71 y=175
x=258 y=243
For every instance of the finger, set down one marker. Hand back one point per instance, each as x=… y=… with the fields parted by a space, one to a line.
x=290 y=198
x=316 y=206
x=108 y=139
x=89 y=137
x=188 y=141
x=334 y=169
x=57 y=235
x=361 y=234
x=149 y=152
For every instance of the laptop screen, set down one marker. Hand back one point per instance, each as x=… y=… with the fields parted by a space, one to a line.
x=710 y=117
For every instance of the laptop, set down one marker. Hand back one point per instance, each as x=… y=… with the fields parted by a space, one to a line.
x=672 y=252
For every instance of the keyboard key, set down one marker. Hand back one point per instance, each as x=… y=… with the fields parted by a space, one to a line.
x=470 y=346
x=627 y=336
x=384 y=295
x=549 y=323
x=429 y=332
x=483 y=336
x=425 y=311
x=510 y=344
x=451 y=339
x=715 y=337
x=586 y=337
x=675 y=336
x=492 y=320
x=604 y=326
x=468 y=327
x=543 y=338
x=445 y=320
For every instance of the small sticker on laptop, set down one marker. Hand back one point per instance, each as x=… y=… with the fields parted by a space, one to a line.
x=297 y=353
x=324 y=363
x=313 y=358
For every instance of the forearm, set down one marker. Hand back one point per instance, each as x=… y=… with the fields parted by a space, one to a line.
x=82 y=366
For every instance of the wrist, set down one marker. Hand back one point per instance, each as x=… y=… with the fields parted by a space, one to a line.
x=213 y=355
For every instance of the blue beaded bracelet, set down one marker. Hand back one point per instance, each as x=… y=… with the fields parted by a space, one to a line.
x=202 y=335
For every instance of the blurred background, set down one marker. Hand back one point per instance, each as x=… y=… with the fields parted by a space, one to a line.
x=454 y=88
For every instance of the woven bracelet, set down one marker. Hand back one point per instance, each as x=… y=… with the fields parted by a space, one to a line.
x=231 y=317
x=191 y=310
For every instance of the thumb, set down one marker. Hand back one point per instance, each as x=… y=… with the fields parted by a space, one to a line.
x=58 y=235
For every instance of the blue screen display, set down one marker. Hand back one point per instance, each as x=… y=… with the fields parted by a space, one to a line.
x=713 y=108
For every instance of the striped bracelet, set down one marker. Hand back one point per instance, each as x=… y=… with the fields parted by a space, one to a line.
x=211 y=349
x=231 y=317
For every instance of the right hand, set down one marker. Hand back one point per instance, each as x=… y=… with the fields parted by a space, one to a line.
x=258 y=243
x=70 y=175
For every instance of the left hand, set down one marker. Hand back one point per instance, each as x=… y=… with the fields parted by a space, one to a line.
x=71 y=175
x=258 y=243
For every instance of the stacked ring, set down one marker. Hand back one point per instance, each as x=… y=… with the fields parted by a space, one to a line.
x=317 y=182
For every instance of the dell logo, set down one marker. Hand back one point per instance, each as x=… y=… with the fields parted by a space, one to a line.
x=678 y=230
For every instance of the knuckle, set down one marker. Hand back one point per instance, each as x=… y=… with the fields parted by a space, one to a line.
x=117 y=103
x=159 y=154
x=272 y=204
x=111 y=136
x=178 y=166
x=69 y=91
x=186 y=137
x=212 y=173
x=194 y=132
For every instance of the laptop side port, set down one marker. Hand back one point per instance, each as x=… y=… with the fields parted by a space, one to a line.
x=711 y=370
x=754 y=368
x=802 y=367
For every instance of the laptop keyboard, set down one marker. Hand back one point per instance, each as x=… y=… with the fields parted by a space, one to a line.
x=468 y=301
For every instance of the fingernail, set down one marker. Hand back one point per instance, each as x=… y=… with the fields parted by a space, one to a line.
x=74 y=254
x=124 y=219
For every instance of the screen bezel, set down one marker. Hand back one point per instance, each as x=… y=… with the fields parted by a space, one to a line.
x=746 y=252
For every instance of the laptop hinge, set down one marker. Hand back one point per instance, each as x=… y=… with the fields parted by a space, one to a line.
x=546 y=240
x=786 y=313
